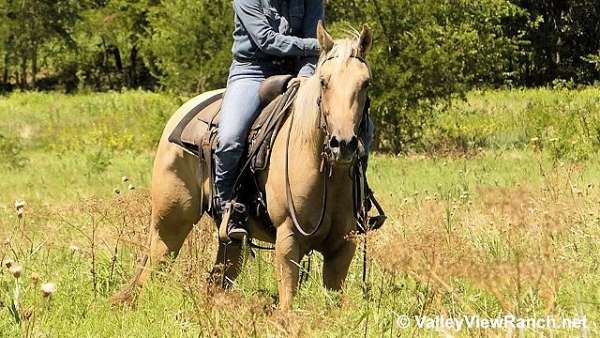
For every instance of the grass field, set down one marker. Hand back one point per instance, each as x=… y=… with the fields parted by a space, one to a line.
x=507 y=222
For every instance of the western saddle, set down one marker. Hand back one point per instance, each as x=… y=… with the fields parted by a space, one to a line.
x=196 y=133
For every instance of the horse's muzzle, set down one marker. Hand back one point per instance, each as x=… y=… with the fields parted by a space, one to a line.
x=343 y=151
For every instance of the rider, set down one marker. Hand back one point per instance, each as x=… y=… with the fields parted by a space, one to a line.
x=271 y=37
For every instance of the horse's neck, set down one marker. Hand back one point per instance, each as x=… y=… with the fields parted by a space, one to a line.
x=307 y=138
x=307 y=148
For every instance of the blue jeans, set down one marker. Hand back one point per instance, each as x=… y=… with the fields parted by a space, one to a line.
x=241 y=105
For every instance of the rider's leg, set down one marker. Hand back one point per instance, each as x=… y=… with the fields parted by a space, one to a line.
x=241 y=104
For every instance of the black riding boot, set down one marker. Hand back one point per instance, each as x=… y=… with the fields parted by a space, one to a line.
x=236 y=216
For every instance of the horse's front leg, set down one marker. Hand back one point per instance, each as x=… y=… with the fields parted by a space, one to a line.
x=336 y=264
x=287 y=263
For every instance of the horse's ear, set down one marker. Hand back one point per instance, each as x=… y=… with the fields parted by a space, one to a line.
x=325 y=40
x=365 y=41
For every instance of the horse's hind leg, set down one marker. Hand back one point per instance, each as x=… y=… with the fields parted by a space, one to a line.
x=175 y=209
x=166 y=238
x=227 y=266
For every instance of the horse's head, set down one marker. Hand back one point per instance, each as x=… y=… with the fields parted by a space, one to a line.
x=345 y=77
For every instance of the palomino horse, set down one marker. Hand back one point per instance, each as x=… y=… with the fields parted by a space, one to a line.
x=329 y=106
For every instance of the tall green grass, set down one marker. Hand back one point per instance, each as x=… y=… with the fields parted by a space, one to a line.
x=566 y=123
x=511 y=228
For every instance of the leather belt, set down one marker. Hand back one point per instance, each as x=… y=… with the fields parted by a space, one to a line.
x=276 y=62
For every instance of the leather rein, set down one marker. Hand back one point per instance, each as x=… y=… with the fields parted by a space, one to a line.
x=325 y=168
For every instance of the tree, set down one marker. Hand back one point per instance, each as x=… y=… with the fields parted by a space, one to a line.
x=5 y=46
x=28 y=26
x=561 y=34
x=426 y=53
x=110 y=37
x=189 y=47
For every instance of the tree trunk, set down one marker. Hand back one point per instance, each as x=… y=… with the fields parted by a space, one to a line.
x=105 y=67
x=23 y=83
x=557 y=15
x=557 y=51
x=6 y=70
x=118 y=63
x=34 y=66
x=132 y=69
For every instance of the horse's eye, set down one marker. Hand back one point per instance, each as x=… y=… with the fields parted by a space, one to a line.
x=324 y=82
x=366 y=84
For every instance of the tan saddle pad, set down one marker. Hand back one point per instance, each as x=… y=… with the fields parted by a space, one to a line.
x=196 y=122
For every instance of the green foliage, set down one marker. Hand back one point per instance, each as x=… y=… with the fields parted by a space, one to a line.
x=560 y=34
x=30 y=30
x=563 y=123
x=109 y=41
x=594 y=59
x=425 y=53
x=189 y=46
x=11 y=152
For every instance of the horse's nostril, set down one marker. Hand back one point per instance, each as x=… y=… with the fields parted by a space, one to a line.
x=334 y=143
x=353 y=145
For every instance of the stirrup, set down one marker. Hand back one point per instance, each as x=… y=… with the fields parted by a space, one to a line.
x=232 y=209
x=237 y=234
x=376 y=222
x=373 y=222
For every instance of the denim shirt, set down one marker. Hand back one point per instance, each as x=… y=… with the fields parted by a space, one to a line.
x=267 y=30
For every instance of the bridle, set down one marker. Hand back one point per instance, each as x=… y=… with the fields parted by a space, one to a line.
x=327 y=163
x=323 y=123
